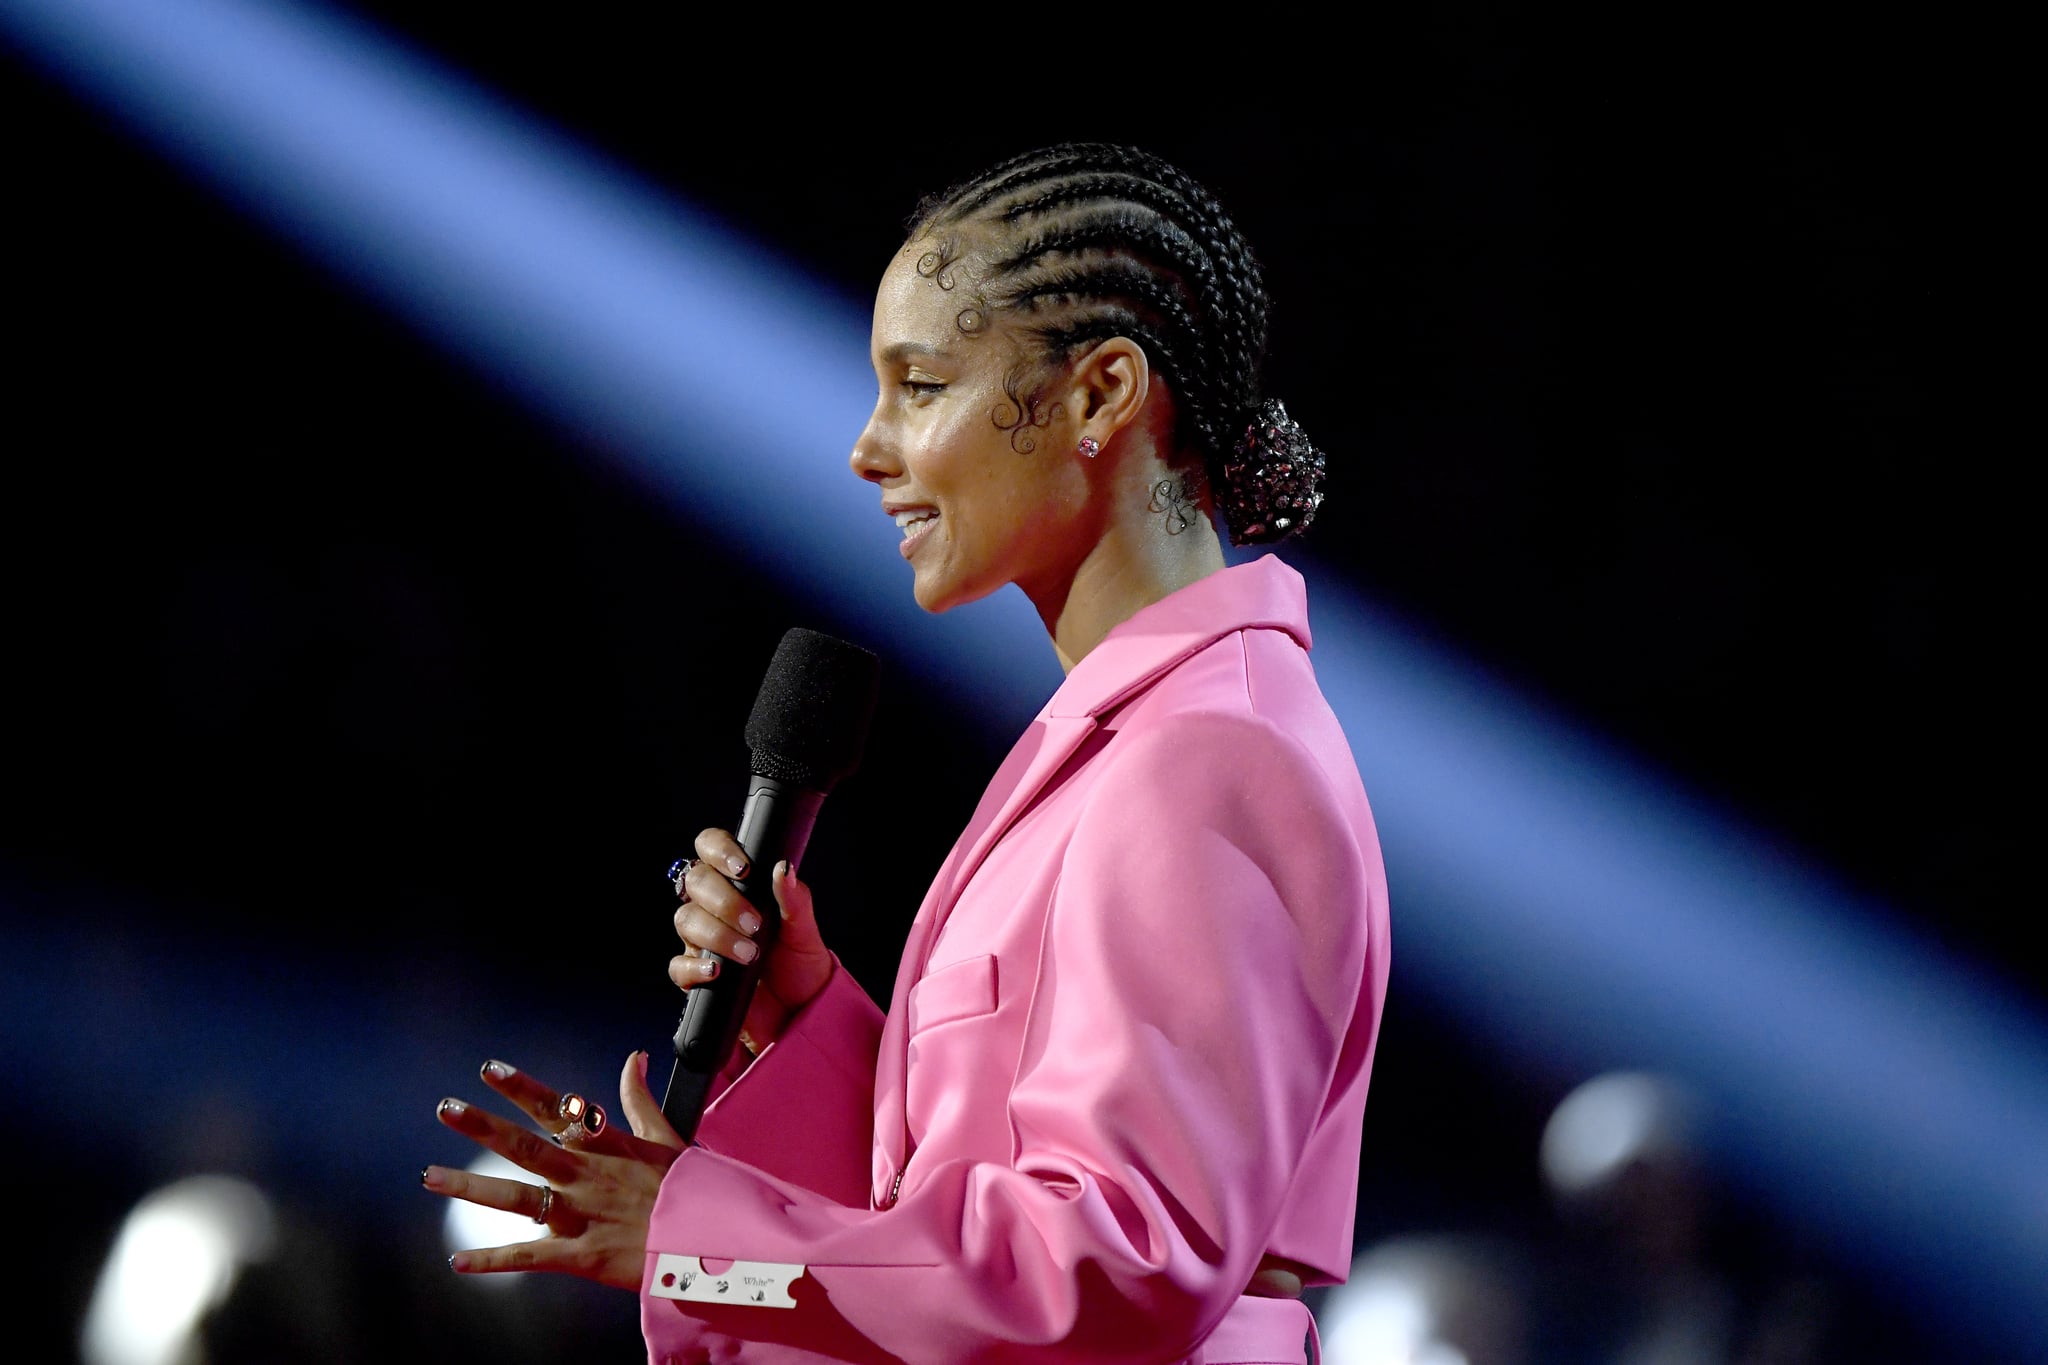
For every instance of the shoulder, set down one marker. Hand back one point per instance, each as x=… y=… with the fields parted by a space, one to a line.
x=1234 y=744
x=1212 y=816
x=1245 y=708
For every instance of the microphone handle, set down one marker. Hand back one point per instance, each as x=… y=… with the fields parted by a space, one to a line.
x=775 y=825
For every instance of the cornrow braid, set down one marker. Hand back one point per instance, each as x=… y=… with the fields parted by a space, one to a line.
x=1119 y=230
x=1087 y=240
x=1162 y=318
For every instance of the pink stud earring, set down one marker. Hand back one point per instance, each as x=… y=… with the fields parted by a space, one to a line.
x=1090 y=447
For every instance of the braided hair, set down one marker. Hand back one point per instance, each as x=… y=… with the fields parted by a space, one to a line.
x=1083 y=241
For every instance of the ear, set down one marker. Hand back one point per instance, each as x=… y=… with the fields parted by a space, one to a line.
x=1110 y=386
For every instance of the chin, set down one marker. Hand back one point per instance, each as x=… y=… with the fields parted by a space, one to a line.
x=941 y=597
x=932 y=597
x=935 y=604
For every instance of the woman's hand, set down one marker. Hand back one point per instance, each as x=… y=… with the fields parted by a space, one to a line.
x=716 y=921
x=597 y=1187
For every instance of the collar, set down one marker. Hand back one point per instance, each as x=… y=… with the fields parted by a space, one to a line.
x=1261 y=594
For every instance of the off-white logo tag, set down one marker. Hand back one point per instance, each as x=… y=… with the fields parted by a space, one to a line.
x=763 y=1284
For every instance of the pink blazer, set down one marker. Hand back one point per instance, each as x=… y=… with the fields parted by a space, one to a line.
x=1126 y=1055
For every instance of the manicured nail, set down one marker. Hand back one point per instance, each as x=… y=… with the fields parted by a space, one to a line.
x=457 y=1263
x=425 y=1172
x=750 y=923
x=707 y=967
x=497 y=1071
x=782 y=868
x=735 y=865
x=745 y=951
x=453 y=1106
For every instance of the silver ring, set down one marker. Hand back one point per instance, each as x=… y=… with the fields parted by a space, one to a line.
x=678 y=870
x=547 y=1204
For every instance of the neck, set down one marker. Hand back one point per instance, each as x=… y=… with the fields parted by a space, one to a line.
x=1136 y=562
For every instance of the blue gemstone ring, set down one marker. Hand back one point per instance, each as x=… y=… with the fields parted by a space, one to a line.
x=679 y=869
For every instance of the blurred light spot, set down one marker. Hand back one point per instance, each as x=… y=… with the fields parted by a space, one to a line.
x=1609 y=1122
x=1438 y=1300
x=469 y=1226
x=175 y=1259
x=1376 y=1322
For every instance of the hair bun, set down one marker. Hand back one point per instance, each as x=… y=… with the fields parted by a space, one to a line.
x=1272 y=478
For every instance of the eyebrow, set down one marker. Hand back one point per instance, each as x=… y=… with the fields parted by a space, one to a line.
x=897 y=352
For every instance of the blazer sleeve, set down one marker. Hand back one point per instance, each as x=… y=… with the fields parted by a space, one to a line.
x=804 y=1109
x=1202 y=961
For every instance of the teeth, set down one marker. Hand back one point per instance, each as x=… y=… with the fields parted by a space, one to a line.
x=911 y=517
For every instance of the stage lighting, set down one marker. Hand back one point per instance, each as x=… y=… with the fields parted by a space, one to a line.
x=1425 y=1300
x=468 y=1225
x=1608 y=1123
x=175 y=1259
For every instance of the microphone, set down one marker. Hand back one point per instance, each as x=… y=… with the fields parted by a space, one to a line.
x=806 y=733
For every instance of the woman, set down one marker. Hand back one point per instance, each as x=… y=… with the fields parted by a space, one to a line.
x=1113 y=1110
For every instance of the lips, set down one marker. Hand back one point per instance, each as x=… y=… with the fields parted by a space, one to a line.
x=915 y=521
x=916 y=531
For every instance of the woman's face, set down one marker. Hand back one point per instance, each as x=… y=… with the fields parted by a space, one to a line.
x=976 y=511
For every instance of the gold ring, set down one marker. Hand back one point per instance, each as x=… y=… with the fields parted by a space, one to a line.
x=586 y=1120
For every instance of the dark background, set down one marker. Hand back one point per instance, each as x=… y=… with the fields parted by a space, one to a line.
x=1645 y=368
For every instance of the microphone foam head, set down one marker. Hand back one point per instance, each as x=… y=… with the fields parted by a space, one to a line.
x=810 y=719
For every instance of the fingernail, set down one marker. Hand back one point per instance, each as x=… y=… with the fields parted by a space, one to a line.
x=452 y=1106
x=456 y=1263
x=782 y=869
x=708 y=967
x=745 y=951
x=496 y=1071
x=750 y=923
x=735 y=865
x=426 y=1171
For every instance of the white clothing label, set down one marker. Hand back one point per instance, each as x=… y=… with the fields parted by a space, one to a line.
x=764 y=1284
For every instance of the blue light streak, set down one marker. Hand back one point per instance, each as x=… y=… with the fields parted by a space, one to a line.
x=1574 y=908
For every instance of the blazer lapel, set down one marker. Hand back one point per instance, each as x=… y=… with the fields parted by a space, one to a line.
x=1038 y=754
x=1017 y=784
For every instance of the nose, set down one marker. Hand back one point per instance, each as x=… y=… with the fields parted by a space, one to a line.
x=871 y=458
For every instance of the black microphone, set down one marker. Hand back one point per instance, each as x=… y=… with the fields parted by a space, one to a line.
x=806 y=732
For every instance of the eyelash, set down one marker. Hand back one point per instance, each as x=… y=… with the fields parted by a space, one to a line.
x=920 y=388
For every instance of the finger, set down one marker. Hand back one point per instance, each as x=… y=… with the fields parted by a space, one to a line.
x=793 y=898
x=546 y=1106
x=617 y=1141
x=543 y=1253
x=522 y=1147
x=613 y=1254
x=701 y=928
x=565 y=1255
x=803 y=962
x=540 y=1102
x=611 y=1139
x=643 y=1115
x=692 y=968
x=718 y=848
x=707 y=887
x=490 y=1191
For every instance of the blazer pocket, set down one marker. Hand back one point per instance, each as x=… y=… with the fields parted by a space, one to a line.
x=959 y=990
